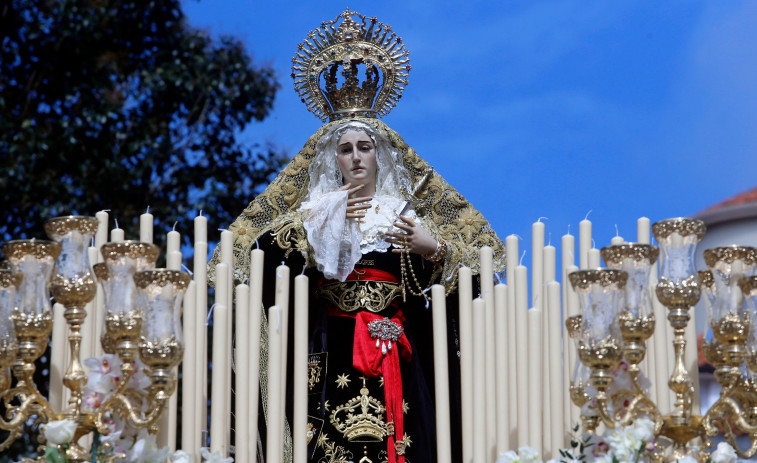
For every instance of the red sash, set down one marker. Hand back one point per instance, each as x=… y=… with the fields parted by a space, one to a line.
x=369 y=359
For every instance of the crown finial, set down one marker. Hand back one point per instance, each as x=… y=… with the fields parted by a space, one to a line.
x=351 y=66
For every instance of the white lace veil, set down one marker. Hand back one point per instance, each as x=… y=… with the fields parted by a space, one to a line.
x=335 y=240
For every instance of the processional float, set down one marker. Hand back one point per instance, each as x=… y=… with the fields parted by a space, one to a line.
x=526 y=380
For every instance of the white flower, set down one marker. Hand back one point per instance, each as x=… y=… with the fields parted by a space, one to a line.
x=687 y=459
x=723 y=454
x=180 y=456
x=60 y=432
x=214 y=457
x=529 y=455
x=146 y=450
x=643 y=429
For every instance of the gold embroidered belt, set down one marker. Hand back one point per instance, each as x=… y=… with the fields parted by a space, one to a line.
x=370 y=289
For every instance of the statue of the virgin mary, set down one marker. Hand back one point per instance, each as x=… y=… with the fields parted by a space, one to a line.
x=374 y=227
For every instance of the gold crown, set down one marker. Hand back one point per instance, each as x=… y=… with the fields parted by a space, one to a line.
x=358 y=41
x=367 y=425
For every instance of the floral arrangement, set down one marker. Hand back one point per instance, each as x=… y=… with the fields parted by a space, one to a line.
x=124 y=442
x=632 y=443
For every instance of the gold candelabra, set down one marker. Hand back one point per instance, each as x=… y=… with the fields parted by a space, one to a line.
x=142 y=320
x=617 y=320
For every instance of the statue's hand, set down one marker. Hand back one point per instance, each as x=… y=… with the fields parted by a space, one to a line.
x=356 y=207
x=415 y=238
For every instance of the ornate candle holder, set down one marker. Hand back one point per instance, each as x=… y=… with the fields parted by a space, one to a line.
x=636 y=322
x=580 y=387
x=678 y=290
x=9 y=282
x=123 y=320
x=732 y=348
x=600 y=292
x=32 y=320
x=160 y=346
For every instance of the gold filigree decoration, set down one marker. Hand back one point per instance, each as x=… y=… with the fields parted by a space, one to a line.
x=162 y=277
x=40 y=249
x=748 y=285
x=584 y=279
x=360 y=419
x=706 y=279
x=314 y=371
x=350 y=296
x=573 y=325
x=60 y=226
x=616 y=253
x=684 y=226
x=446 y=219
x=729 y=254
x=685 y=293
x=343 y=380
x=130 y=249
x=164 y=354
x=9 y=279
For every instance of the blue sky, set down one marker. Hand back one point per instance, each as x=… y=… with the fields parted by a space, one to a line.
x=547 y=108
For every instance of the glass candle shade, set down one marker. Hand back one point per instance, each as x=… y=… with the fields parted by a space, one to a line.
x=160 y=295
x=678 y=239
x=123 y=260
x=637 y=261
x=748 y=286
x=727 y=265
x=601 y=293
x=73 y=284
x=34 y=259
x=9 y=282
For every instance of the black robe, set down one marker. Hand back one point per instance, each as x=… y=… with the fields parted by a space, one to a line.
x=334 y=380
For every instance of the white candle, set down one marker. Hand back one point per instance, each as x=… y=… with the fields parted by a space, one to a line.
x=300 y=359
x=242 y=364
x=573 y=309
x=200 y=265
x=227 y=247
x=521 y=326
x=550 y=263
x=201 y=228
x=616 y=240
x=643 y=230
x=479 y=383
x=556 y=418
x=223 y=297
x=441 y=375
x=173 y=260
x=568 y=253
x=594 y=258
x=58 y=357
x=465 y=294
x=256 y=310
x=487 y=294
x=145 y=227
x=90 y=341
x=173 y=241
x=117 y=235
x=282 y=300
x=274 y=436
x=218 y=410
x=584 y=242
x=537 y=263
x=535 y=358
x=101 y=235
x=189 y=432
x=502 y=369
x=512 y=382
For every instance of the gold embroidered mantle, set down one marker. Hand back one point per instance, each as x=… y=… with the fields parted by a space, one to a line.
x=449 y=216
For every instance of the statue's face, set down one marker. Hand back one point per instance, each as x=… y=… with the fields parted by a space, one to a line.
x=356 y=156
